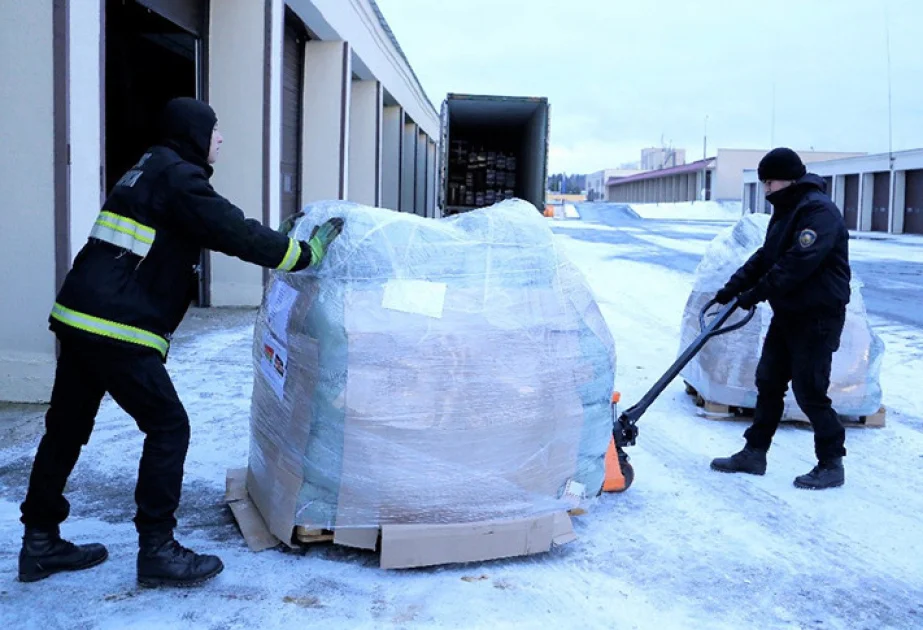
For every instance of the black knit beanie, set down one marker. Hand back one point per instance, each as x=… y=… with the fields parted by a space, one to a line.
x=781 y=164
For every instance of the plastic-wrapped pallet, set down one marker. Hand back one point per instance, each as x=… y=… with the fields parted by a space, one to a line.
x=429 y=371
x=724 y=371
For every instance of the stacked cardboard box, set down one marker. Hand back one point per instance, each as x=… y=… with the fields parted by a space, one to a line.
x=480 y=175
x=388 y=409
x=723 y=372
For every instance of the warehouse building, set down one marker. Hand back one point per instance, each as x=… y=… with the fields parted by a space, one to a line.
x=717 y=178
x=596 y=189
x=315 y=100
x=667 y=185
x=875 y=192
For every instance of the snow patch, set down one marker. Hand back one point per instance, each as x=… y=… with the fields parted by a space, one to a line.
x=690 y=211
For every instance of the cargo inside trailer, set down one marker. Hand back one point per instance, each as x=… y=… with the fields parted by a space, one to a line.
x=496 y=150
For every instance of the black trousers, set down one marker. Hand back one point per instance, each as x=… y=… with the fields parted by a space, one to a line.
x=799 y=349
x=139 y=383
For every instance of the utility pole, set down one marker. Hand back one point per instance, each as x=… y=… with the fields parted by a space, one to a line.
x=705 y=139
x=892 y=184
x=704 y=156
x=888 y=51
x=772 y=127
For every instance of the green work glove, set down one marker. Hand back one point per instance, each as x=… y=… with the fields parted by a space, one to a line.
x=321 y=237
x=289 y=223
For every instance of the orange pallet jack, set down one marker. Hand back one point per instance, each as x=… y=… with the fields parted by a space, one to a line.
x=619 y=473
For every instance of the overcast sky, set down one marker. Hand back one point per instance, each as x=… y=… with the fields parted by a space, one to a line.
x=620 y=74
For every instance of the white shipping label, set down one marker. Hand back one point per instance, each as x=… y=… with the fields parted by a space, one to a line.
x=279 y=305
x=274 y=364
x=415 y=296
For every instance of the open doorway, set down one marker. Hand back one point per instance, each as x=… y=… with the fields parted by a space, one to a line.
x=149 y=60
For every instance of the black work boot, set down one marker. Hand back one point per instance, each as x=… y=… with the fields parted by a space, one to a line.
x=164 y=562
x=750 y=460
x=827 y=474
x=45 y=553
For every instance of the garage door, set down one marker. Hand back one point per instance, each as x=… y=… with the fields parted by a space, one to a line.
x=913 y=206
x=851 y=202
x=880 y=198
x=292 y=108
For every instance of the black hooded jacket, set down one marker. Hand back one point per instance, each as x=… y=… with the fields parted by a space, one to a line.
x=134 y=279
x=803 y=265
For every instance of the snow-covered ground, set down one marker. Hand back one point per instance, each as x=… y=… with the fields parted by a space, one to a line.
x=698 y=211
x=684 y=548
x=565 y=211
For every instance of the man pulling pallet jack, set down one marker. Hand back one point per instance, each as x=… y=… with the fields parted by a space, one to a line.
x=803 y=271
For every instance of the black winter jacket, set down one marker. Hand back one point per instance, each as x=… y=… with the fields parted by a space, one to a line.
x=803 y=265
x=133 y=281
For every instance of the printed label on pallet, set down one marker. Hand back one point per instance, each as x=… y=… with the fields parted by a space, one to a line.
x=274 y=363
x=279 y=305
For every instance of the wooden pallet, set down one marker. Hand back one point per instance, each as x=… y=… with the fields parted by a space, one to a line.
x=718 y=411
x=312 y=536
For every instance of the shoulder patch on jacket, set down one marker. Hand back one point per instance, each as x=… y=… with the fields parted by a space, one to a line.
x=807 y=238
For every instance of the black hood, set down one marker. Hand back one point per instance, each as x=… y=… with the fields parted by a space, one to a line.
x=186 y=126
x=788 y=198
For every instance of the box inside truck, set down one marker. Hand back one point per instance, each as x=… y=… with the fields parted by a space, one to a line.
x=496 y=149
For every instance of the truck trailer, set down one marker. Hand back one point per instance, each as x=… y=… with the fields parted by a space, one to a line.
x=492 y=148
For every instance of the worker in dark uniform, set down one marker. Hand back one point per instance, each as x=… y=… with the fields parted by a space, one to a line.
x=128 y=290
x=802 y=269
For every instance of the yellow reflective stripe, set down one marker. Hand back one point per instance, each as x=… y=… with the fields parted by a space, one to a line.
x=106 y=328
x=144 y=232
x=117 y=228
x=123 y=232
x=292 y=254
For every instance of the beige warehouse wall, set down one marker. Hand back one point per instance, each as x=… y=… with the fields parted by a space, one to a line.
x=275 y=114
x=365 y=142
x=392 y=123
x=85 y=113
x=325 y=153
x=236 y=71
x=431 y=177
x=355 y=21
x=27 y=186
x=422 y=186
x=731 y=163
x=408 y=167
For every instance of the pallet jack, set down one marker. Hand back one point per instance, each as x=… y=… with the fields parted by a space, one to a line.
x=619 y=472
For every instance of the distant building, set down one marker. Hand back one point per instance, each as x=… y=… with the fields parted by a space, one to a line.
x=658 y=158
x=873 y=194
x=596 y=182
x=680 y=183
x=718 y=178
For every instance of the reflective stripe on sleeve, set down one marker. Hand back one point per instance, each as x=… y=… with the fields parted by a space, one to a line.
x=106 y=328
x=123 y=232
x=292 y=254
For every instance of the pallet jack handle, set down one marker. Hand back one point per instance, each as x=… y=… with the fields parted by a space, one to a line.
x=625 y=430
